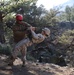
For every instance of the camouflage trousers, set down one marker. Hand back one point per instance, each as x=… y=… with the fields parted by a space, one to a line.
x=21 y=47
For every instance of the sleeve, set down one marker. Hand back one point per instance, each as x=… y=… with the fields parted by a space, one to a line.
x=27 y=24
x=34 y=35
x=37 y=36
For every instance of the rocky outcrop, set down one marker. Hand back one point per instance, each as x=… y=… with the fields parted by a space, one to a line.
x=33 y=68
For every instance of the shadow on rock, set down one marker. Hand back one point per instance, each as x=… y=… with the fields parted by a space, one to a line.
x=14 y=70
x=17 y=70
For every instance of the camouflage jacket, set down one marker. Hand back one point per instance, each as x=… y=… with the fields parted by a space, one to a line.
x=19 y=31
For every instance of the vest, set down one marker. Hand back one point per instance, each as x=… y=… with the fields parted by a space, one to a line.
x=19 y=31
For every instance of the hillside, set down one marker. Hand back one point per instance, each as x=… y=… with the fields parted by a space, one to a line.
x=33 y=68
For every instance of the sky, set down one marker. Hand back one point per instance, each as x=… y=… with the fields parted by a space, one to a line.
x=52 y=3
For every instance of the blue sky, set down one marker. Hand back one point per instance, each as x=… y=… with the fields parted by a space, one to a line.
x=52 y=3
x=70 y=3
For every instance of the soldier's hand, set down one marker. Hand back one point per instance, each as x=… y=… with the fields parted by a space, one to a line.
x=33 y=28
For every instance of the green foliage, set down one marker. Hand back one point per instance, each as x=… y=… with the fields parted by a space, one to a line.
x=66 y=37
x=29 y=57
x=51 y=16
x=5 y=49
x=34 y=15
x=68 y=14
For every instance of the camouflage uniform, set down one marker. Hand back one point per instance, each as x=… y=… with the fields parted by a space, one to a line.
x=23 y=44
x=19 y=33
x=26 y=42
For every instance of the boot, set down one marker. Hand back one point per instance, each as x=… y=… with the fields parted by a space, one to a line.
x=11 y=61
x=23 y=65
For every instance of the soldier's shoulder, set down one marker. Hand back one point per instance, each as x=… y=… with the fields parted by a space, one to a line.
x=24 y=22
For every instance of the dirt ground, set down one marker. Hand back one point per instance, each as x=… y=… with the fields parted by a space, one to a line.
x=33 y=68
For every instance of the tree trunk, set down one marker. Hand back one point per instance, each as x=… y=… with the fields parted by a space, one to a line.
x=2 y=38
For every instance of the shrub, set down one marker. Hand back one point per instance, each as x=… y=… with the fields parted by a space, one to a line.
x=5 y=49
